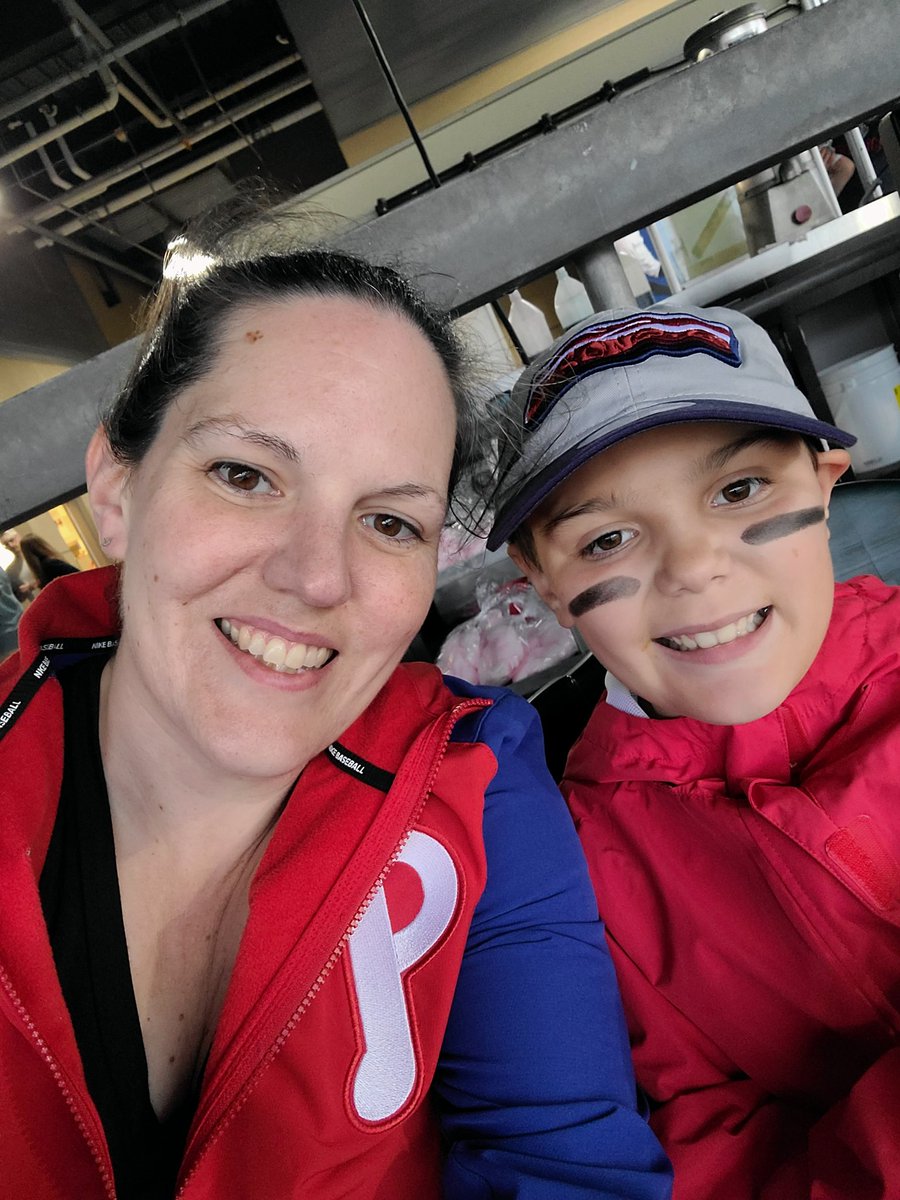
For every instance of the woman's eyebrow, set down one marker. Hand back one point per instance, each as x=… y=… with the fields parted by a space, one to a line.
x=413 y=491
x=235 y=427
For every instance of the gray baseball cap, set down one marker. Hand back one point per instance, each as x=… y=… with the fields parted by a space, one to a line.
x=626 y=370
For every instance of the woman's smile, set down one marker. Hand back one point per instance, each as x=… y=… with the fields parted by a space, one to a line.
x=281 y=654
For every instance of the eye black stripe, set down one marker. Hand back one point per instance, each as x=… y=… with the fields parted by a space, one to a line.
x=617 y=588
x=781 y=526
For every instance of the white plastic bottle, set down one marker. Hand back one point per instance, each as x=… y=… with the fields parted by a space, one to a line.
x=570 y=300
x=529 y=323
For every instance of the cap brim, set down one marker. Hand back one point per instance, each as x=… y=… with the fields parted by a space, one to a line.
x=511 y=515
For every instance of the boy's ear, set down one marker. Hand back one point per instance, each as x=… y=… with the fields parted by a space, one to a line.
x=106 y=480
x=541 y=585
x=831 y=466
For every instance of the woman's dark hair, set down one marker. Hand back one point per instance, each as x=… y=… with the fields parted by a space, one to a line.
x=186 y=316
x=35 y=551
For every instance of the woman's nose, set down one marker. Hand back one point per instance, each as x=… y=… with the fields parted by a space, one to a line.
x=691 y=561
x=312 y=560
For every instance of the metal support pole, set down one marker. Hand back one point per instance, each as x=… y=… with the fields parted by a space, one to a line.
x=860 y=154
x=604 y=277
x=395 y=89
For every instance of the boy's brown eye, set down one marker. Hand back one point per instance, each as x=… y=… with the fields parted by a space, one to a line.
x=607 y=543
x=741 y=489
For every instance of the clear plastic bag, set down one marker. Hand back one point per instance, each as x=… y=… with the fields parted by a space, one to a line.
x=513 y=636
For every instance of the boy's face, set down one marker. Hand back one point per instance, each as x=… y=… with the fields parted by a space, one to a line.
x=693 y=560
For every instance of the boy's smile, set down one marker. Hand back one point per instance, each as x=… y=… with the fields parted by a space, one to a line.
x=693 y=560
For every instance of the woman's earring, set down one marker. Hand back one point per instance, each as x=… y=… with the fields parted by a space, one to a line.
x=105 y=541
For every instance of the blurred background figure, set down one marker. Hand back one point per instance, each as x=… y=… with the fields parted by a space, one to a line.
x=41 y=560
x=10 y=611
x=23 y=579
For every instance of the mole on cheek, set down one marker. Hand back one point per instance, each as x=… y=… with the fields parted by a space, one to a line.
x=781 y=526
x=618 y=588
x=253 y=335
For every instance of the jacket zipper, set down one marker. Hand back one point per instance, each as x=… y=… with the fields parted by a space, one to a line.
x=72 y=1102
x=454 y=715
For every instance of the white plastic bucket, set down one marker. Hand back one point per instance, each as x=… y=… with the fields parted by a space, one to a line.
x=863 y=393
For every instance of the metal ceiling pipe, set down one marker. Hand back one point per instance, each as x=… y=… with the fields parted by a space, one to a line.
x=241 y=85
x=107 y=104
x=53 y=175
x=191 y=110
x=101 y=183
x=84 y=24
x=74 y=166
x=49 y=113
x=12 y=107
x=192 y=168
x=145 y=110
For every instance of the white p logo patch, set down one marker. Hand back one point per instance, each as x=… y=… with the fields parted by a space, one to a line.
x=380 y=953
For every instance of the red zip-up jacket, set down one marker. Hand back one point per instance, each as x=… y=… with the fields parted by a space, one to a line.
x=749 y=877
x=397 y=986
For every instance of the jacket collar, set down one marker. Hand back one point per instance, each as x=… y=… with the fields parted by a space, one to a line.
x=621 y=747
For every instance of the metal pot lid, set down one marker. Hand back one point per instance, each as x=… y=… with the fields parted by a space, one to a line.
x=724 y=29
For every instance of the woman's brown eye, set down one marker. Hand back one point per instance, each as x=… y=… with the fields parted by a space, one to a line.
x=392 y=527
x=387 y=525
x=244 y=478
x=610 y=541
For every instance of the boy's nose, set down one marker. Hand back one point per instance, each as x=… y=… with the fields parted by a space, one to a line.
x=690 y=562
x=312 y=560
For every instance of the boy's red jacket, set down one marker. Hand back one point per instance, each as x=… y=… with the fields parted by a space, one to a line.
x=353 y=982
x=749 y=877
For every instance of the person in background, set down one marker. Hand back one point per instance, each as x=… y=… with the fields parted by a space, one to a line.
x=24 y=581
x=667 y=495
x=283 y=918
x=43 y=561
x=10 y=615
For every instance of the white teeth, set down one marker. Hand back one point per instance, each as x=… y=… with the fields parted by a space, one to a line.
x=717 y=637
x=296 y=656
x=276 y=652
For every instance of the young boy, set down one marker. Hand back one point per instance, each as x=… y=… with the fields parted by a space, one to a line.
x=736 y=789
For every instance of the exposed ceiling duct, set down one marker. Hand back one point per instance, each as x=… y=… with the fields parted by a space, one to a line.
x=119 y=120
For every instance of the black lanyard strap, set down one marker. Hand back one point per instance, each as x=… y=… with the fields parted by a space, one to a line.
x=43 y=667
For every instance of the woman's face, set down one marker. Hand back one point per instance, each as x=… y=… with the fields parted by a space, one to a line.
x=280 y=537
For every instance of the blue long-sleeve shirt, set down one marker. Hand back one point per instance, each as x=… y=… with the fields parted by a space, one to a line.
x=536 y=1087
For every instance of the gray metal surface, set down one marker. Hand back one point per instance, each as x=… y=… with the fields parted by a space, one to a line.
x=618 y=167
x=44 y=433
x=647 y=153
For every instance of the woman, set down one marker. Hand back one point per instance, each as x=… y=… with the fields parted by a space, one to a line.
x=43 y=561
x=318 y=925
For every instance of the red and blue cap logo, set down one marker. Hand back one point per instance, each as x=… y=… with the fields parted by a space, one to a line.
x=623 y=342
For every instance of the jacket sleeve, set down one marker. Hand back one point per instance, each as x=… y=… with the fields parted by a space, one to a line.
x=535 y=1085
x=728 y=1136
